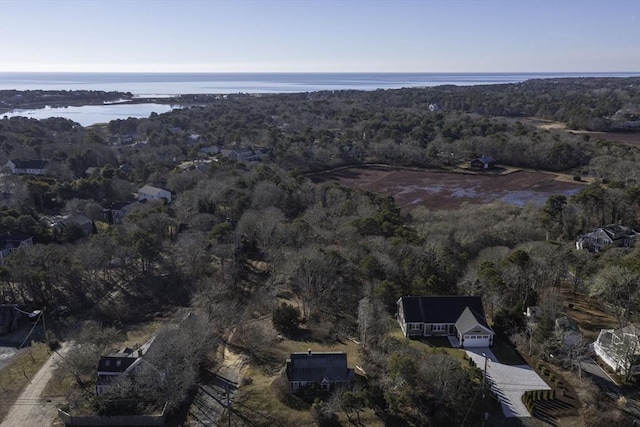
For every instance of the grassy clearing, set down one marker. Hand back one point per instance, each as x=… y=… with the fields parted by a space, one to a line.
x=588 y=313
x=430 y=345
x=256 y=404
x=141 y=333
x=285 y=347
x=15 y=376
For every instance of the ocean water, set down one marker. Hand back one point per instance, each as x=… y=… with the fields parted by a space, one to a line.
x=163 y=84
x=168 y=84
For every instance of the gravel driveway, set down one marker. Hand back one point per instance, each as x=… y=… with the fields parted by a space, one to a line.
x=508 y=382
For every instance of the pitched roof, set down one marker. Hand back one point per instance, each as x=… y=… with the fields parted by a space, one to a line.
x=116 y=363
x=469 y=319
x=77 y=219
x=566 y=324
x=316 y=367
x=30 y=164
x=149 y=189
x=616 y=231
x=628 y=330
x=486 y=159
x=124 y=360
x=12 y=239
x=118 y=205
x=439 y=309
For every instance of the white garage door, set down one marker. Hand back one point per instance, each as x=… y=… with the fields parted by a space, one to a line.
x=476 y=340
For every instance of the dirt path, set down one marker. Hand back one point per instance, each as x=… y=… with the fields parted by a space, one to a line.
x=232 y=364
x=212 y=398
x=29 y=410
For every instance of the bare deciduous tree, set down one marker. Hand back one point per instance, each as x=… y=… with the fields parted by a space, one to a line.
x=620 y=288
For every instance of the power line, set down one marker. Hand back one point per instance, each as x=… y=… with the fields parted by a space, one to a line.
x=31 y=331
x=470 y=406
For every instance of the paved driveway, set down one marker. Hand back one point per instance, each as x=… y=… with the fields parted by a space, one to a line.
x=508 y=382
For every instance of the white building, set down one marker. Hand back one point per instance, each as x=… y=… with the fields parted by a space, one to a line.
x=149 y=192
x=620 y=349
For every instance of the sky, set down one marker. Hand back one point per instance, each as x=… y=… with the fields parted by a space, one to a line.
x=320 y=36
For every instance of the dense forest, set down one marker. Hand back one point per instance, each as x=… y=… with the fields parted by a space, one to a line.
x=239 y=239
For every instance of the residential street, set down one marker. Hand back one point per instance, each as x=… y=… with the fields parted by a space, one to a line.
x=29 y=409
x=599 y=376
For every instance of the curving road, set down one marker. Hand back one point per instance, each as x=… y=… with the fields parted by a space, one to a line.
x=29 y=409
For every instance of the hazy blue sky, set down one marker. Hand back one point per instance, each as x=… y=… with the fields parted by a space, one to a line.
x=323 y=36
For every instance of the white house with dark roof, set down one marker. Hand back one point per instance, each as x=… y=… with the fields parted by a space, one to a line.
x=114 y=365
x=149 y=192
x=27 y=167
x=459 y=317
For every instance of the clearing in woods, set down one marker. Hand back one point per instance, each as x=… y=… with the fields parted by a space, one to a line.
x=450 y=190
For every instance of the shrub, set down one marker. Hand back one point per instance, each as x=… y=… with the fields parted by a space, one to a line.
x=286 y=318
x=509 y=322
x=53 y=344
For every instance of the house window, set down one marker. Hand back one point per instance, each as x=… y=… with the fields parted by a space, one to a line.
x=437 y=328
x=415 y=326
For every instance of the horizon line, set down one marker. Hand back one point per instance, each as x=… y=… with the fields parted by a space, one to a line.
x=315 y=72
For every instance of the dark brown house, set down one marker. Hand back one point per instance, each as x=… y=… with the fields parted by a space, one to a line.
x=484 y=163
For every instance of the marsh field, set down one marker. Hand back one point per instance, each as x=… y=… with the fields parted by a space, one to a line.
x=450 y=190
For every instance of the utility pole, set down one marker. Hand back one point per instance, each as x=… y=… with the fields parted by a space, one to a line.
x=44 y=325
x=228 y=404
